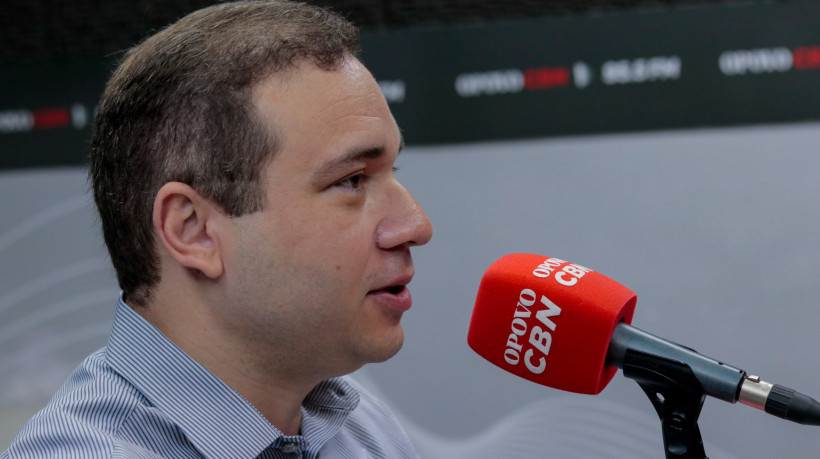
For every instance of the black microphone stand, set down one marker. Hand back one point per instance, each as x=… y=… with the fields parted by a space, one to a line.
x=677 y=396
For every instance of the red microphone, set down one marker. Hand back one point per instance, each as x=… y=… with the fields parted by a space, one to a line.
x=565 y=326
x=549 y=321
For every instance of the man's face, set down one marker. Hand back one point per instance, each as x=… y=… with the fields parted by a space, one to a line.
x=320 y=273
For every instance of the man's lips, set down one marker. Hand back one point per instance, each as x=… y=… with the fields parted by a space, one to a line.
x=395 y=295
x=396 y=298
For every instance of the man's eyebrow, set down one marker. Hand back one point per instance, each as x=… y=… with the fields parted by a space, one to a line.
x=331 y=169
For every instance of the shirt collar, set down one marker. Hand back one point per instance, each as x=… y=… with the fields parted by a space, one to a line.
x=213 y=416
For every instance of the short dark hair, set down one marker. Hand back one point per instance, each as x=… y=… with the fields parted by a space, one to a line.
x=179 y=108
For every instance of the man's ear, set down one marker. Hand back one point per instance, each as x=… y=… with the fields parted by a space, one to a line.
x=187 y=226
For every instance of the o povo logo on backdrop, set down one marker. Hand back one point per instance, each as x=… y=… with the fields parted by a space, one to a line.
x=22 y=120
x=580 y=75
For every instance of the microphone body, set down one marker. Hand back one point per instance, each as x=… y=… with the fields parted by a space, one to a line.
x=567 y=327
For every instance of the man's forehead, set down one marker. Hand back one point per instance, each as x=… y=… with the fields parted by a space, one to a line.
x=331 y=117
x=308 y=92
x=297 y=71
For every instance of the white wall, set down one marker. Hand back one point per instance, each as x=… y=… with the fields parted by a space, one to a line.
x=716 y=231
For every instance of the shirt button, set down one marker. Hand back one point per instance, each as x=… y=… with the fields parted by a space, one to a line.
x=290 y=448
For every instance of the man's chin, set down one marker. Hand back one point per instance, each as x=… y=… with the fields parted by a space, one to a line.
x=389 y=347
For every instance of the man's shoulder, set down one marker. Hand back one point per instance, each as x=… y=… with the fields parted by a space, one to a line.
x=83 y=418
x=94 y=394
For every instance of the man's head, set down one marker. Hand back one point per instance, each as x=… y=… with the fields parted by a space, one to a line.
x=319 y=275
x=180 y=108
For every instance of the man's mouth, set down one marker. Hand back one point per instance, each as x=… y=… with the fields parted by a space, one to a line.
x=392 y=290
x=395 y=296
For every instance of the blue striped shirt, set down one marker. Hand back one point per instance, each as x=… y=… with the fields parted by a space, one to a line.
x=143 y=397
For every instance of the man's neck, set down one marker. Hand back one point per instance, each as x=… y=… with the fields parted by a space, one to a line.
x=277 y=394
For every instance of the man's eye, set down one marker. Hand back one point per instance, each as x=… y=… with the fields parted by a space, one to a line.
x=353 y=182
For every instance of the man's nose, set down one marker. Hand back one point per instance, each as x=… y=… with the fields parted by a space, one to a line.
x=406 y=223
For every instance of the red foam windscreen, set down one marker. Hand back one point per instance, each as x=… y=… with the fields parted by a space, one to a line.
x=549 y=321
